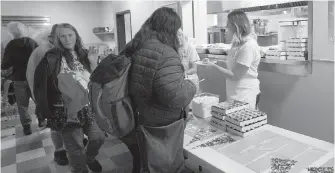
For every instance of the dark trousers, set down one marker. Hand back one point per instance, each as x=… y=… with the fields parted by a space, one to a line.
x=22 y=95
x=131 y=142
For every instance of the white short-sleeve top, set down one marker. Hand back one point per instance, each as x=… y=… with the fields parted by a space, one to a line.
x=247 y=88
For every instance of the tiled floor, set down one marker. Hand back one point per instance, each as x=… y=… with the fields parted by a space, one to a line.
x=34 y=153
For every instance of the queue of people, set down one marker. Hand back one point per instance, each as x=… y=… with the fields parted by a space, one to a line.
x=55 y=72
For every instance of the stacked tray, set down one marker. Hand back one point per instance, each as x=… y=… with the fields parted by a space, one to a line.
x=276 y=54
x=218 y=123
x=219 y=49
x=244 y=122
x=297 y=48
x=202 y=50
x=219 y=112
x=229 y=107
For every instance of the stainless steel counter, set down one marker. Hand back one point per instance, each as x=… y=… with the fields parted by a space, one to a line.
x=289 y=67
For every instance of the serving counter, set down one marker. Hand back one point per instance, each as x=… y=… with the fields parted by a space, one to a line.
x=290 y=67
x=213 y=150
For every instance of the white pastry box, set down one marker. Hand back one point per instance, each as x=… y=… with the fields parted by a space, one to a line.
x=202 y=103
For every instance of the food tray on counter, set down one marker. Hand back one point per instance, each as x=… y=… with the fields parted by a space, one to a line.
x=229 y=106
x=217 y=51
x=202 y=50
x=248 y=127
x=245 y=117
x=202 y=103
x=218 y=115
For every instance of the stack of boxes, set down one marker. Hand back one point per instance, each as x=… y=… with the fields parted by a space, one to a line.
x=297 y=48
x=244 y=122
x=236 y=117
x=219 y=112
x=276 y=55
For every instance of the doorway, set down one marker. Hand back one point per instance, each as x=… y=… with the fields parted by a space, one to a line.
x=124 y=32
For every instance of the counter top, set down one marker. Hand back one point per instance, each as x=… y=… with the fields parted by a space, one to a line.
x=291 y=67
x=263 y=60
x=253 y=153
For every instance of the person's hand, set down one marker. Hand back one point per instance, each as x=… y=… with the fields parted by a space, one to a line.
x=211 y=63
x=93 y=58
x=92 y=55
x=190 y=72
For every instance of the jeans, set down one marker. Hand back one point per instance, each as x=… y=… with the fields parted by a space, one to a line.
x=57 y=140
x=73 y=141
x=23 y=94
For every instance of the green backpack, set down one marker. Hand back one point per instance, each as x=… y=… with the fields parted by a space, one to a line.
x=108 y=92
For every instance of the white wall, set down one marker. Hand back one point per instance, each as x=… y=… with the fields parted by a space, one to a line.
x=84 y=16
x=212 y=20
x=141 y=10
x=322 y=49
x=187 y=18
x=200 y=22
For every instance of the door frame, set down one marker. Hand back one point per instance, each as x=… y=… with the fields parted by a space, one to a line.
x=131 y=30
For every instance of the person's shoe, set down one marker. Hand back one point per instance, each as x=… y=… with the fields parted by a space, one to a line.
x=94 y=166
x=85 y=141
x=41 y=123
x=27 y=130
x=61 y=158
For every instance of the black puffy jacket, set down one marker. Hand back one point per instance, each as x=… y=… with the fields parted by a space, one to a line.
x=157 y=86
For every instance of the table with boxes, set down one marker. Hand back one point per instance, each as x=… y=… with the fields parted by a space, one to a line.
x=230 y=137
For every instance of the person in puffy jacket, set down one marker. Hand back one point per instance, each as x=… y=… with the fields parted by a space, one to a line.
x=158 y=90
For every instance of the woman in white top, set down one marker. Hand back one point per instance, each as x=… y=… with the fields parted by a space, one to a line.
x=242 y=83
x=188 y=56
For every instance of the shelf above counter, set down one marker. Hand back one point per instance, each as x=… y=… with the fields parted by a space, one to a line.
x=288 y=67
x=104 y=33
x=105 y=36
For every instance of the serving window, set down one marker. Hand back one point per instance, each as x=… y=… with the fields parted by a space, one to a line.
x=284 y=32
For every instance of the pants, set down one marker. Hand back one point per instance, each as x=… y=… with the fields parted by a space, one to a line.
x=73 y=141
x=23 y=94
x=131 y=142
x=57 y=140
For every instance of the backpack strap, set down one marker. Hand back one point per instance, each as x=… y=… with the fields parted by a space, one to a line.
x=97 y=102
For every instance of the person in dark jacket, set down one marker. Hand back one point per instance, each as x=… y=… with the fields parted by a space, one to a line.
x=16 y=55
x=61 y=92
x=159 y=92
